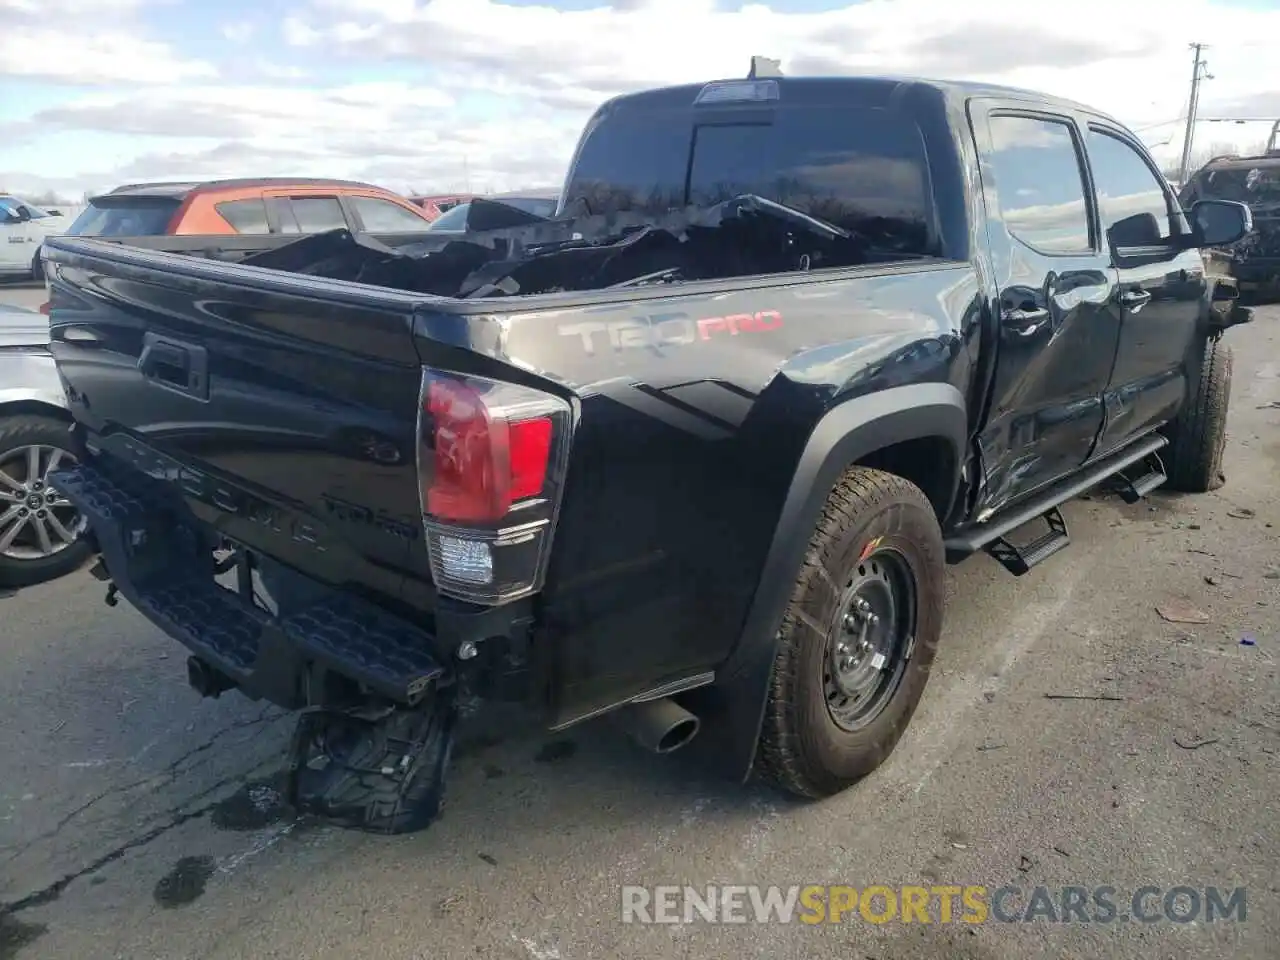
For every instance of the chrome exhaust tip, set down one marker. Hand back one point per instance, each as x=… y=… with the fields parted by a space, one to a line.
x=660 y=726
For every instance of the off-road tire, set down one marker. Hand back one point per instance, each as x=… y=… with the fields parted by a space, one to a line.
x=801 y=749
x=1199 y=434
x=31 y=429
x=37 y=268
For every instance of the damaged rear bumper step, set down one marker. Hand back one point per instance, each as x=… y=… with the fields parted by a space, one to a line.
x=163 y=569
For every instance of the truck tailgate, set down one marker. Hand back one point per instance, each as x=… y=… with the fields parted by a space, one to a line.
x=281 y=409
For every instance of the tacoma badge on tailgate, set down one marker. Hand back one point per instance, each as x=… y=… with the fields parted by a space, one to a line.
x=207 y=490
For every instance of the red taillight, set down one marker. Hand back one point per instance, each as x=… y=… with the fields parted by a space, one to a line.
x=483 y=462
x=44 y=308
x=492 y=462
x=530 y=452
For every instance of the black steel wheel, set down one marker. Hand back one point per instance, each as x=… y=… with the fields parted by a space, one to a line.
x=858 y=639
x=871 y=640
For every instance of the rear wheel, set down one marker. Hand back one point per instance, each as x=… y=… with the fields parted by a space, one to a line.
x=858 y=638
x=42 y=536
x=37 y=268
x=1198 y=436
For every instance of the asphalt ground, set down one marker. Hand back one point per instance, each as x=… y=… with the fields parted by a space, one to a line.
x=138 y=821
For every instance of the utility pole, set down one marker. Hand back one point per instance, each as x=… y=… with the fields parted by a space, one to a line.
x=1200 y=71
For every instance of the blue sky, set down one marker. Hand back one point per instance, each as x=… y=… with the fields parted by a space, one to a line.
x=472 y=94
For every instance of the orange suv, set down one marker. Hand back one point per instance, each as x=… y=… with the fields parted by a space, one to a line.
x=269 y=205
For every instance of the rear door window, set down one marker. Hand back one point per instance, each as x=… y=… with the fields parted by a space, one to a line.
x=318 y=214
x=382 y=216
x=245 y=216
x=1040 y=184
x=133 y=217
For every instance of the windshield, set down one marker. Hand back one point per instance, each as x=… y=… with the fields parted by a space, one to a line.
x=12 y=205
x=135 y=217
x=1260 y=184
x=538 y=206
x=455 y=219
x=862 y=170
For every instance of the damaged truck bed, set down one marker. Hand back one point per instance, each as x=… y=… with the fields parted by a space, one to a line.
x=743 y=236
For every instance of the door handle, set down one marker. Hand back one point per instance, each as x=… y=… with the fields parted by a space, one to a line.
x=1024 y=322
x=1135 y=299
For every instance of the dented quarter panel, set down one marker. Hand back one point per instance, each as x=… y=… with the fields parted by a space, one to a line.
x=694 y=409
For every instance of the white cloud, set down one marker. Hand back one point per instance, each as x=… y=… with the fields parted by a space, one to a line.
x=240 y=32
x=547 y=68
x=89 y=43
x=90 y=59
x=1140 y=59
x=54 y=9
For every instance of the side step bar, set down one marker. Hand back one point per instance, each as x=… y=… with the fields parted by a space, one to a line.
x=1019 y=560
x=1134 y=488
x=990 y=536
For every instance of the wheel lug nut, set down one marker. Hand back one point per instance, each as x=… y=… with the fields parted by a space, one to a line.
x=40 y=514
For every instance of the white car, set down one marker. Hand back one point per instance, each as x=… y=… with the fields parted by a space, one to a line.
x=42 y=536
x=23 y=228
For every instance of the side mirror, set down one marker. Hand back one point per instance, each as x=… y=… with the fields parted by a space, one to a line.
x=23 y=214
x=1217 y=223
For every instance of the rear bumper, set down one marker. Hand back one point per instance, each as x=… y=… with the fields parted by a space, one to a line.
x=163 y=564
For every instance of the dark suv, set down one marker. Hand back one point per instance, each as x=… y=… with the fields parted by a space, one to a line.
x=1255 y=260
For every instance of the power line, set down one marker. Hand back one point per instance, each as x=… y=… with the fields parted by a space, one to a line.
x=1156 y=126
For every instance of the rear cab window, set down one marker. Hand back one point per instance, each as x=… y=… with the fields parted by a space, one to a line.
x=860 y=168
x=125 y=217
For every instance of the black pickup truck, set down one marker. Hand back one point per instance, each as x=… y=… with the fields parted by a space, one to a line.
x=695 y=452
